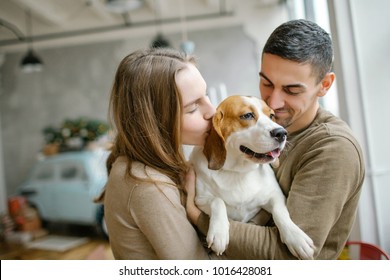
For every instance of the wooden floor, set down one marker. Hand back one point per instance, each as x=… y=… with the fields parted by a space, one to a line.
x=97 y=248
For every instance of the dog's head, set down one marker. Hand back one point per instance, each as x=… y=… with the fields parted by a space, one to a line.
x=243 y=133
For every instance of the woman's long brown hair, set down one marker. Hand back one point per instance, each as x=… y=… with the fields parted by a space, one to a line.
x=145 y=110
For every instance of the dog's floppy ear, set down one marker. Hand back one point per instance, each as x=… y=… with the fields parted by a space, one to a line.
x=214 y=148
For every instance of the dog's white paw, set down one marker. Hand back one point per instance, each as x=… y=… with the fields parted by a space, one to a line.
x=218 y=236
x=299 y=243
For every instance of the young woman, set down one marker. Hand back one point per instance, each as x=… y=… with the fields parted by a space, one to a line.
x=158 y=103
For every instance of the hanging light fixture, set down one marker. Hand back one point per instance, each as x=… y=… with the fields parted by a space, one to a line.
x=186 y=45
x=123 y=6
x=160 y=41
x=30 y=62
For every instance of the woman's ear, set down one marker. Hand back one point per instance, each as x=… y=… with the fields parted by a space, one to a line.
x=326 y=83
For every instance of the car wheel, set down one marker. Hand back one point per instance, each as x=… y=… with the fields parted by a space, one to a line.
x=102 y=227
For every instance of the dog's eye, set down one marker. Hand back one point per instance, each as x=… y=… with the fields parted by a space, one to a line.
x=248 y=116
x=272 y=116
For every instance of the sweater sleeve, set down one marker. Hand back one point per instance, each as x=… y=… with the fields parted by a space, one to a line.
x=161 y=217
x=324 y=193
x=249 y=241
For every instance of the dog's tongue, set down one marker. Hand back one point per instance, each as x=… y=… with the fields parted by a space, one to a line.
x=274 y=154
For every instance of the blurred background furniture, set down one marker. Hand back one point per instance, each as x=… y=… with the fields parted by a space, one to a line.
x=367 y=251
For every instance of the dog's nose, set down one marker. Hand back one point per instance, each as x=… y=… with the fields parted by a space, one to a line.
x=279 y=134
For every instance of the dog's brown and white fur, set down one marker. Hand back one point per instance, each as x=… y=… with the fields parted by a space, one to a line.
x=233 y=175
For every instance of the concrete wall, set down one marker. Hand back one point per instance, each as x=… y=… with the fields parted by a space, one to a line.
x=76 y=82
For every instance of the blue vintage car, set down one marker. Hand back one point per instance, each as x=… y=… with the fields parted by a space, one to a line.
x=62 y=188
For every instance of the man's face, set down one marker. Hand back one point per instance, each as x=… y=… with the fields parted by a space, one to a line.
x=291 y=90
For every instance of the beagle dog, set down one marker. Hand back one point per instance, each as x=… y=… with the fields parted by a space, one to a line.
x=234 y=178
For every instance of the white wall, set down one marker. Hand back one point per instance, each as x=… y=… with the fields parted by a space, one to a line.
x=372 y=37
x=362 y=36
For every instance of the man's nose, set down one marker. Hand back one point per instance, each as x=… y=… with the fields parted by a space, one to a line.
x=275 y=100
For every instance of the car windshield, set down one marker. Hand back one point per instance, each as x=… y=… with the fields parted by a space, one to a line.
x=98 y=166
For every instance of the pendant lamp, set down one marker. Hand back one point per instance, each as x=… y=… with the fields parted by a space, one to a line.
x=187 y=46
x=30 y=62
x=160 y=41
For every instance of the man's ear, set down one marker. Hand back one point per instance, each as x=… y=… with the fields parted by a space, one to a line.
x=326 y=83
x=214 y=148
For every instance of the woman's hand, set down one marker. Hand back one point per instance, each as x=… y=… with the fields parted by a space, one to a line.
x=193 y=212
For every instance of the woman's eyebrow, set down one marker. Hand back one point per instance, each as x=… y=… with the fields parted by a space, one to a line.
x=191 y=103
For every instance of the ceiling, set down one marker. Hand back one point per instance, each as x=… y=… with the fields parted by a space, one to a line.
x=59 y=20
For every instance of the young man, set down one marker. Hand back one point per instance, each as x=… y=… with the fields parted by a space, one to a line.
x=321 y=170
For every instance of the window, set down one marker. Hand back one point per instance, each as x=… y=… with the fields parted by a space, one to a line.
x=73 y=171
x=44 y=173
x=69 y=173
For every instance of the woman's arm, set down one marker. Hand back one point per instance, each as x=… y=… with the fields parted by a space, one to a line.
x=162 y=219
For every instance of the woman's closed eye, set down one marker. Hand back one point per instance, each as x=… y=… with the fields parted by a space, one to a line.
x=192 y=108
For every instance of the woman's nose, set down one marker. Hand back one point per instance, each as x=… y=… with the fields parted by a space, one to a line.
x=210 y=110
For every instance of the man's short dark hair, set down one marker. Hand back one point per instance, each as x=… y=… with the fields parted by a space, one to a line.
x=305 y=42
